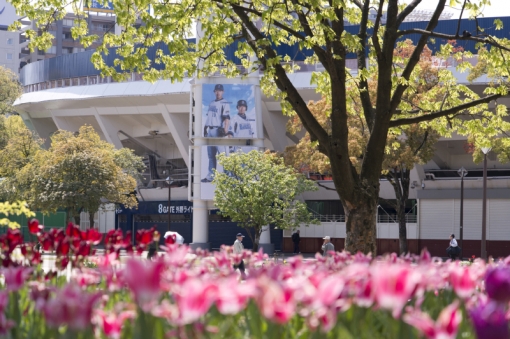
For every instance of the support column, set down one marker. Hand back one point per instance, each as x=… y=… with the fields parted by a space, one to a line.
x=200 y=210
x=108 y=129
x=265 y=240
x=178 y=128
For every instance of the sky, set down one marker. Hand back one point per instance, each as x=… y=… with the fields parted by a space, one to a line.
x=498 y=8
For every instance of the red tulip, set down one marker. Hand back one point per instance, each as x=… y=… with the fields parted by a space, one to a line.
x=463 y=281
x=73 y=230
x=93 y=236
x=63 y=248
x=144 y=237
x=34 y=227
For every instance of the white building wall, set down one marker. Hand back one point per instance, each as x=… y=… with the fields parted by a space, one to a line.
x=9 y=50
x=337 y=230
x=441 y=217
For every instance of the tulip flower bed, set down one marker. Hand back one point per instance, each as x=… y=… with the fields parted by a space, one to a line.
x=178 y=295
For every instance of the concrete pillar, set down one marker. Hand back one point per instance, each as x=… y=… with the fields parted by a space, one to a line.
x=178 y=127
x=109 y=130
x=59 y=38
x=265 y=240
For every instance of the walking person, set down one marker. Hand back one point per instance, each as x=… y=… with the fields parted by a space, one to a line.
x=453 y=249
x=296 y=238
x=238 y=249
x=327 y=246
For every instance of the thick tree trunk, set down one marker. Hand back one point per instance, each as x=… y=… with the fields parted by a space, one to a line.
x=361 y=225
x=402 y=229
x=77 y=219
x=256 y=241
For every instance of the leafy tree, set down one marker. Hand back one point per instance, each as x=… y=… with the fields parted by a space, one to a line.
x=257 y=189
x=18 y=147
x=10 y=90
x=318 y=27
x=410 y=145
x=77 y=172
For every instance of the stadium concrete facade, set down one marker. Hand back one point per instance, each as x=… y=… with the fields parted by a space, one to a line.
x=156 y=119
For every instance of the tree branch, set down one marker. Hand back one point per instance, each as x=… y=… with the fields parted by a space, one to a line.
x=361 y=54
x=282 y=80
x=408 y=10
x=375 y=37
x=435 y=115
x=415 y=57
x=460 y=17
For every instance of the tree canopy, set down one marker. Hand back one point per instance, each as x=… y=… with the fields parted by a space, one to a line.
x=78 y=172
x=257 y=190
x=10 y=90
x=256 y=29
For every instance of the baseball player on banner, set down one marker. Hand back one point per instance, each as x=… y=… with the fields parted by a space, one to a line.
x=216 y=125
x=240 y=125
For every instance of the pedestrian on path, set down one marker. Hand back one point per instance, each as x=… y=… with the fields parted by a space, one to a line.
x=238 y=249
x=327 y=246
x=296 y=238
x=453 y=250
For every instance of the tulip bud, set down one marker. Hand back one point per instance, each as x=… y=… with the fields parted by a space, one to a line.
x=497 y=283
x=156 y=236
x=489 y=320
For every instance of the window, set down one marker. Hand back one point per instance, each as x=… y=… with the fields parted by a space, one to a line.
x=52 y=50
x=9 y=56
x=67 y=36
x=9 y=41
x=68 y=22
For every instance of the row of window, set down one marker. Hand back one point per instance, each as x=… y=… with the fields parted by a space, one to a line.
x=65 y=50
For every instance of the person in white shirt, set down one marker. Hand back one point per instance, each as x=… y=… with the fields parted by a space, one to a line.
x=327 y=246
x=238 y=249
x=453 y=250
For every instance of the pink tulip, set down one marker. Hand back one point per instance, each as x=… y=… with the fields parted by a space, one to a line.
x=445 y=327
x=143 y=279
x=15 y=277
x=70 y=306
x=329 y=290
x=194 y=298
x=112 y=323
x=232 y=297
x=393 y=285
x=463 y=281
x=275 y=300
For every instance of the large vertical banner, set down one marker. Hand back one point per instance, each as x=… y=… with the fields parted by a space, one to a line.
x=210 y=165
x=229 y=111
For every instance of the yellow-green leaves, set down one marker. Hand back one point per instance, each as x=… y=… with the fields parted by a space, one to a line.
x=16 y=208
x=257 y=189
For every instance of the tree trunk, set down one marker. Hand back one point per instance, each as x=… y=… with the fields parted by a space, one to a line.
x=256 y=241
x=77 y=219
x=361 y=225
x=91 y=219
x=402 y=229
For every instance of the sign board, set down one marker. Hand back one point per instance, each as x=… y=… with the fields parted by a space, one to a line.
x=209 y=164
x=229 y=111
x=96 y=6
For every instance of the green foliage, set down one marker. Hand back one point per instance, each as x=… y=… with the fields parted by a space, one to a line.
x=260 y=27
x=257 y=189
x=10 y=90
x=77 y=172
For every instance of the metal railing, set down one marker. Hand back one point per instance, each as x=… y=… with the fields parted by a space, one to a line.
x=383 y=219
